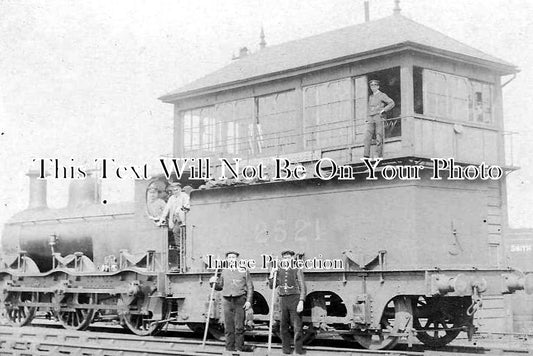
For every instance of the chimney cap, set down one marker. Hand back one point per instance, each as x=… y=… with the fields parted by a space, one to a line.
x=243 y=51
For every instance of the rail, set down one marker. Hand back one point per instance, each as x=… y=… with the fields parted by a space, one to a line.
x=52 y=341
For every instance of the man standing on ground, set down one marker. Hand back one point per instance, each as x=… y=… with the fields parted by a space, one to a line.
x=237 y=293
x=292 y=292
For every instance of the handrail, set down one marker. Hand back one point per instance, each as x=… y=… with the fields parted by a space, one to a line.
x=276 y=139
x=332 y=136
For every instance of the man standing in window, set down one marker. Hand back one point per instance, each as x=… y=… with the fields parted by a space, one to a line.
x=378 y=104
x=292 y=292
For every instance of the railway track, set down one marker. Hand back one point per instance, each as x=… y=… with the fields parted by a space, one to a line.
x=32 y=341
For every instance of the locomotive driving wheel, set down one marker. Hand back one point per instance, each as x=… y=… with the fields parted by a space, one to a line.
x=72 y=317
x=16 y=311
x=141 y=324
x=309 y=332
x=394 y=320
x=216 y=330
x=136 y=318
x=437 y=324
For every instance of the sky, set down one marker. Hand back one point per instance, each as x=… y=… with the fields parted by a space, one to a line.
x=80 y=79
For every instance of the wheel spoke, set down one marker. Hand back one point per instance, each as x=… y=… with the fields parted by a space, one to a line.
x=140 y=324
x=438 y=329
x=18 y=313
x=79 y=318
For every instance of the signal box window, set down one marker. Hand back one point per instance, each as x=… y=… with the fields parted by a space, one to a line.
x=199 y=129
x=451 y=97
x=224 y=128
x=328 y=114
x=233 y=127
x=482 y=107
x=276 y=124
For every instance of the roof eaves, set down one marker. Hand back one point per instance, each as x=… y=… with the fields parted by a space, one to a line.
x=334 y=62
x=501 y=67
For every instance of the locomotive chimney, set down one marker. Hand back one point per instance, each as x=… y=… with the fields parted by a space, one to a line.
x=37 y=190
x=84 y=191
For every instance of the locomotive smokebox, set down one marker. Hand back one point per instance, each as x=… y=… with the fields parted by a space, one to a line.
x=70 y=241
x=41 y=231
x=63 y=231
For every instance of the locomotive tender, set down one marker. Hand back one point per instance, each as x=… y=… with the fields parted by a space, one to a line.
x=419 y=255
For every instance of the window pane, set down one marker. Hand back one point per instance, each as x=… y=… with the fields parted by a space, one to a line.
x=457 y=98
x=277 y=123
x=478 y=102
x=487 y=103
x=327 y=119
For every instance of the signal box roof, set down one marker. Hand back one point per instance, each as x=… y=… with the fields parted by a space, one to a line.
x=392 y=33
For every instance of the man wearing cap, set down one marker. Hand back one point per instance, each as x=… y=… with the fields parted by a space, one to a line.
x=175 y=209
x=177 y=205
x=292 y=292
x=378 y=104
x=237 y=293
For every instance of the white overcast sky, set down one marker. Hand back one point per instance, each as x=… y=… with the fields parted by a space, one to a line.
x=80 y=79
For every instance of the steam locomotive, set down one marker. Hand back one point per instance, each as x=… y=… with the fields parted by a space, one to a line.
x=418 y=255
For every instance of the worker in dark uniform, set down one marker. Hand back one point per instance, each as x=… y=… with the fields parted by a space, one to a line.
x=237 y=293
x=378 y=104
x=292 y=292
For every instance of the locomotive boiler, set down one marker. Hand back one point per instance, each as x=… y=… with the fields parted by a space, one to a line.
x=417 y=255
x=85 y=225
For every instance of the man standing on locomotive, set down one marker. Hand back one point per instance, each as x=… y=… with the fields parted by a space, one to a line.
x=378 y=104
x=237 y=293
x=292 y=292
x=177 y=206
x=175 y=209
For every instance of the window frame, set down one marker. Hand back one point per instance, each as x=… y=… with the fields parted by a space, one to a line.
x=449 y=112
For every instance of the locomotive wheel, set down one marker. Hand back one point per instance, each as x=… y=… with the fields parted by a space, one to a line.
x=437 y=328
x=20 y=315
x=196 y=328
x=392 y=322
x=77 y=318
x=215 y=330
x=309 y=332
x=134 y=314
x=141 y=324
